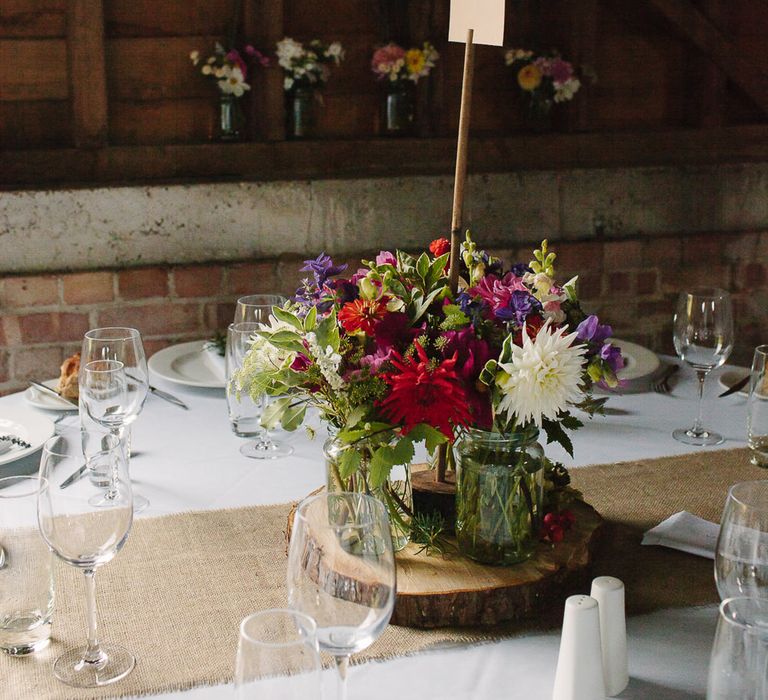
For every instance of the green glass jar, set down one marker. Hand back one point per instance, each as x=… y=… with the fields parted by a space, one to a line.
x=398 y=109
x=231 y=118
x=396 y=493
x=499 y=495
x=300 y=113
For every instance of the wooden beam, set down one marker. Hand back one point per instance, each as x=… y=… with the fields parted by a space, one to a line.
x=685 y=17
x=87 y=72
x=584 y=18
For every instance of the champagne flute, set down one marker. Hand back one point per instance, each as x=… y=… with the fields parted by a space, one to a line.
x=757 y=408
x=86 y=536
x=341 y=572
x=277 y=657
x=738 y=668
x=124 y=345
x=741 y=554
x=244 y=410
x=256 y=308
x=703 y=337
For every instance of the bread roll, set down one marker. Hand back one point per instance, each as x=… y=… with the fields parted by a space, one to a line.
x=67 y=386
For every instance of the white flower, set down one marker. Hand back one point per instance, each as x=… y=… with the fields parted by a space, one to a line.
x=565 y=91
x=232 y=82
x=287 y=83
x=194 y=56
x=287 y=51
x=335 y=51
x=541 y=377
x=328 y=362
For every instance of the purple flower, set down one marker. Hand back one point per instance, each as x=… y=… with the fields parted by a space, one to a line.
x=345 y=290
x=301 y=363
x=612 y=355
x=323 y=268
x=520 y=269
x=375 y=361
x=386 y=258
x=520 y=305
x=591 y=330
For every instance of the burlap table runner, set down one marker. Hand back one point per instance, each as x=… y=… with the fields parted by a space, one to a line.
x=176 y=593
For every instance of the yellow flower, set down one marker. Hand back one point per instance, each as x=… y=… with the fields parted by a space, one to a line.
x=529 y=77
x=414 y=60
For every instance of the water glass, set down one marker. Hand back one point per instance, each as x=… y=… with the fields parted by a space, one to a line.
x=256 y=308
x=757 y=408
x=703 y=337
x=341 y=572
x=738 y=668
x=26 y=569
x=741 y=555
x=278 y=657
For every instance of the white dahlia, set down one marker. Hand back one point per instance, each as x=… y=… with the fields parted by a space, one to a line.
x=541 y=376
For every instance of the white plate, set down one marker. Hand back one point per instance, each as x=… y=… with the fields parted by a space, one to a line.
x=185 y=364
x=731 y=376
x=40 y=399
x=638 y=361
x=27 y=425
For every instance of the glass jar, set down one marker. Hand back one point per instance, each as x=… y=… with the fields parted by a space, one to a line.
x=499 y=495
x=396 y=492
x=300 y=114
x=231 y=118
x=398 y=110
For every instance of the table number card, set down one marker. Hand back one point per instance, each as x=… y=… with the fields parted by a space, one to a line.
x=485 y=17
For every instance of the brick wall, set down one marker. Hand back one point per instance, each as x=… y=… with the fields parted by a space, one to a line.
x=631 y=283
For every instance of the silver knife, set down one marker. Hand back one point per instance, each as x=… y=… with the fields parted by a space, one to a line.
x=51 y=392
x=73 y=477
x=736 y=387
x=168 y=397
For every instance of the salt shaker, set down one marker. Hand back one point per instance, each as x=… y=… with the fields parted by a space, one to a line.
x=609 y=594
x=579 y=674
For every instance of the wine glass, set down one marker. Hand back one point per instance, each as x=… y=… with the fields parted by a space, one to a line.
x=244 y=410
x=277 y=657
x=86 y=536
x=757 y=408
x=256 y=308
x=738 y=668
x=741 y=554
x=341 y=572
x=703 y=336
x=123 y=345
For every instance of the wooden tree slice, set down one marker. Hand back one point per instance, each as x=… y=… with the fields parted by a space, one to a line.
x=442 y=591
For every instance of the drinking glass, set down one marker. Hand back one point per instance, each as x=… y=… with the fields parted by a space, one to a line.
x=245 y=411
x=703 y=336
x=124 y=345
x=86 y=536
x=26 y=569
x=341 y=572
x=741 y=554
x=757 y=408
x=738 y=668
x=256 y=308
x=277 y=657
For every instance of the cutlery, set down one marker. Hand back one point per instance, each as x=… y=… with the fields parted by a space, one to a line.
x=73 y=477
x=2 y=557
x=168 y=397
x=738 y=385
x=51 y=392
x=661 y=384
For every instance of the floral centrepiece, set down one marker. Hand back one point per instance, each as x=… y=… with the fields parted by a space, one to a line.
x=545 y=79
x=395 y=64
x=390 y=356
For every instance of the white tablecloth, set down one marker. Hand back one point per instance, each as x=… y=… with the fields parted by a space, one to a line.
x=189 y=460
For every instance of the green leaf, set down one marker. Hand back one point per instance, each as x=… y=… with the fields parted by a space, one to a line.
x=422 y=266
x=284 y=339
x=381 y=465
x=436 y=270
x=310 y=320
x=431 y=436
x=555 y=433
x=488 y=373
x=355 y=416
x=293 y=416
x=349 y=462
x=273 y=413
x=570 y=422
x=287 y=317
x=328 y=332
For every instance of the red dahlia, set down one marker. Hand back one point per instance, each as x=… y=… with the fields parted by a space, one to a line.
x=362 y=314
x=424 y=392
x=440 y=246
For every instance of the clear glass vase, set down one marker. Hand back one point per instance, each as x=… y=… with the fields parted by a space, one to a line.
x=300 y=113
x=499 y=495
x=231 y=118
x=398 y=110
x=396 y=493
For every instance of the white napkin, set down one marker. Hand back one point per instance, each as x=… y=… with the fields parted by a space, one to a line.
x=215 y=363
x=686 y=532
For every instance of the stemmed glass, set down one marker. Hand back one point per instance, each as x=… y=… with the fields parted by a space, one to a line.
x=255 y=308
x=244 y=410
x=123 y=345
x=741 y=554
x=277 y=657
x=341 y=572
x=86 y=536
x=703 y=336
x=757 y=408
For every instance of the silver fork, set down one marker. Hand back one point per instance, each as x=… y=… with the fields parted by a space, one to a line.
x=661 y=384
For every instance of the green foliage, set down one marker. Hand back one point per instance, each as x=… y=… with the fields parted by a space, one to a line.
x=543 y=260
x=429 y=531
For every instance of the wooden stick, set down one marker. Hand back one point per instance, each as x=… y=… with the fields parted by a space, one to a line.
x=458 y=195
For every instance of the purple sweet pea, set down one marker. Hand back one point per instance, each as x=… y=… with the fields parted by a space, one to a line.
x=612 y=355
x=521 y=304
x=520 y=269
x=591 y=330
x=386 y=258
x=323 y=268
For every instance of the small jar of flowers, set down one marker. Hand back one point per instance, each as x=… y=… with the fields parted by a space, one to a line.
x=545 y=80
x=305 y=70
x=399 y=70
x=230 y=70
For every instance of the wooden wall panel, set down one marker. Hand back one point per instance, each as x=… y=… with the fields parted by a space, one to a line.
x=151 y=18
x=33 y=18
x=35 y=124
x=33 y=69
x=162 y=121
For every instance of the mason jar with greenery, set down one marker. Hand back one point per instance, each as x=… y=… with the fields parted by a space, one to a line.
x=499 y=497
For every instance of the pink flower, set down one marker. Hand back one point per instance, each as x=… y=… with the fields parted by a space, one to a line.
x=544 y=65
x=497 y=293
x=386 y=258
x=257 y=56
x=376 y=361
x=235 y=58
x=561 y=71
x=385 y=57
